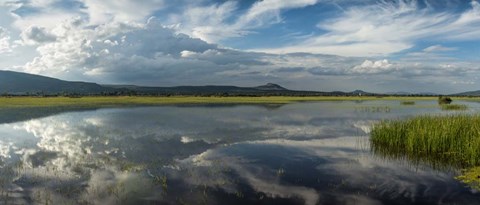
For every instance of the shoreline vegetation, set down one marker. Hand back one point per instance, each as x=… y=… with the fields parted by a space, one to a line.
x=440 y=141
x=112 y=101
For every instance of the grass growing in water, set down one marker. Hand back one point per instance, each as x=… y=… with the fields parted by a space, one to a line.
x=471 y=177
x=408 y=103
x=373 y=109
x=453 y=107
x=444 y=100
x=440 y=141
x=444 y=142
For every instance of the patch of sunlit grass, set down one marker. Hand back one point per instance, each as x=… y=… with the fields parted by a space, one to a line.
x=438 y=140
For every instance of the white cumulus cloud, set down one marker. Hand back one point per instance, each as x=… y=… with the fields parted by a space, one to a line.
x=4 y=41
x=132 y=52
x=36 y=35
x=371 y=67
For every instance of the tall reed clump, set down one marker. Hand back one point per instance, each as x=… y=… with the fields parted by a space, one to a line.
x=440 y=141
x=453 y=107
x=407 y=103
x=444 y=100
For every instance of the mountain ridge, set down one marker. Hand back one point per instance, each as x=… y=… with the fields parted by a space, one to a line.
x=23 y=83
x=469 y=93
x=17 y=83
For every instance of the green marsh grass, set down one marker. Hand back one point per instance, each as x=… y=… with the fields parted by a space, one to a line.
x=440 y=141
x=471 y=177
x=407 y=103
x=453 y=107
x=373 y=109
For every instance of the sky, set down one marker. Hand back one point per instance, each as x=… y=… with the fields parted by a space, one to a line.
x=321 y=45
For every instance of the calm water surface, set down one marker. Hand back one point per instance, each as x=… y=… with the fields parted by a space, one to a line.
x=303 y=153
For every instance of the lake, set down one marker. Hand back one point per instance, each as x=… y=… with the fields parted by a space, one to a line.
x=300 y=153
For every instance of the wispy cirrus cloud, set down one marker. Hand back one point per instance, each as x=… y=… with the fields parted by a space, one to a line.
x=224 y=20
x=438 y=48
x=386 y=28
x=431 y=53
x=50 y=13
x=100 y=11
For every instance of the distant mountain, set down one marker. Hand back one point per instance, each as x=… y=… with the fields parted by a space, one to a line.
x=360 y=93
x=271 y=87
x=401 y=93
x=470 y=93
x=16 y=83
x=23 y=83
x=267 y=89
x=398 y=93
x=428 y=93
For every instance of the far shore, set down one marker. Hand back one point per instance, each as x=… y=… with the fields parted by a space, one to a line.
x=113 y=101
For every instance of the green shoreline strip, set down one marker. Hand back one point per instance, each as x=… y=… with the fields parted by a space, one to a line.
x=140 y=100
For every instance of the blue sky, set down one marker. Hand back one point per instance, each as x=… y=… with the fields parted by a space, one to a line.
x=325 y=45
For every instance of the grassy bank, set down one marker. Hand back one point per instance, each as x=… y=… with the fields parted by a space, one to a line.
x=136 y=100
x=452 y=140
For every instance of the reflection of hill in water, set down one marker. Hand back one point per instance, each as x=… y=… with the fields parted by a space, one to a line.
x=12 y=115
x=268 y=106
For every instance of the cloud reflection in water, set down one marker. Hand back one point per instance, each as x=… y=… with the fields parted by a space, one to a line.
x=306 y=153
